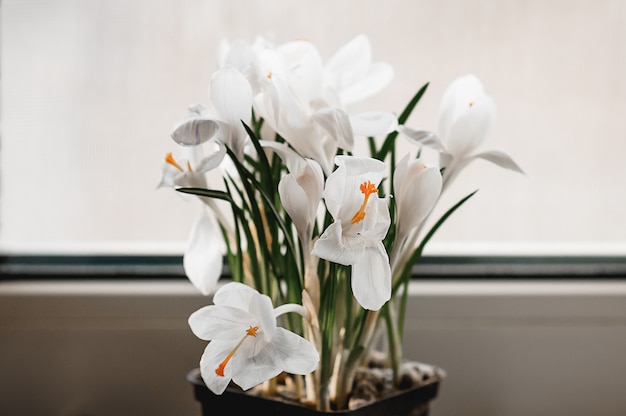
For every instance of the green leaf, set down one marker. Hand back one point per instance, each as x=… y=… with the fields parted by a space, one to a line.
x=210 y=193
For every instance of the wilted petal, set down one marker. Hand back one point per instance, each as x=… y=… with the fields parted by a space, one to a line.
x=203 y=257
x=501 y=159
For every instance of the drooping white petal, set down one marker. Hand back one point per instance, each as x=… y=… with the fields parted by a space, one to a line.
x=501 y=159
x=330 y=246
x=203 y=256
x=298 y=356
x=373 y=123
x=371 y=278
x=422 y=137
x=194 y=131
x=257 y=368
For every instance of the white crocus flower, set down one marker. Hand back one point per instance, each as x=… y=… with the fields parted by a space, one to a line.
x=203 y=256
x=465 y=117
x=352 y=74
x=417 y=188
x=361 y=221
x=300 y=189
x=230 y=103
x=246 y=346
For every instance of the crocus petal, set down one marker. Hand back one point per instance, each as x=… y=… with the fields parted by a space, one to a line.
x=213 y=355
x=202 y=260
x=293 y=161
x=371 y=278
x=465 y=115
x=213 y=160
x=224 y=322
x=298 y=355
x=501 y=159
x=422 y=137
x=330 y=246
x=377 y=77
x=194 y=131
x=235 y=294
x=468 y=131
x=373 y=123
x=351 y=72
x=417 y=188
x=231 y=95
x=336 y=123
x=301 y=196
x=257 y=368
x=341 y=193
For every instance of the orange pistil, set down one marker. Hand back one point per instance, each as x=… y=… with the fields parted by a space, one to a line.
x=170 y=159
x=367 y=188
x=250 y=332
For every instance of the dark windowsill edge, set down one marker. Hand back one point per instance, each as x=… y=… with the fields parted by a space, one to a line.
x=81 y=267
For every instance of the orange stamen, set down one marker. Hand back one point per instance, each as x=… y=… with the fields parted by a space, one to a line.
x=249 y=332
x=367 y=188
x=170 y=159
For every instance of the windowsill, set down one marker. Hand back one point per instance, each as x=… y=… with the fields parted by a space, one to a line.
x=444 y=287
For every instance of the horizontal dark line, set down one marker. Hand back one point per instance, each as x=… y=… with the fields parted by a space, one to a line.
x=429 y=267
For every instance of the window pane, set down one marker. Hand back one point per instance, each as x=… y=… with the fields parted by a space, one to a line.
x=91 y=90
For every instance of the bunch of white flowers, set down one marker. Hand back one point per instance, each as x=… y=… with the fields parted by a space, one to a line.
x=303 y=222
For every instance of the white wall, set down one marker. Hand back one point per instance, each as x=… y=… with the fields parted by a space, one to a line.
x=123 y=348
x=91 y=90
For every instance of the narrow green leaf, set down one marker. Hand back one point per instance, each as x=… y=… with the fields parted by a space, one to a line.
x=210 y=193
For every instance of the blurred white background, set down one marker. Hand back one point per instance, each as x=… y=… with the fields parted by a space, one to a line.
x=92 y=89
